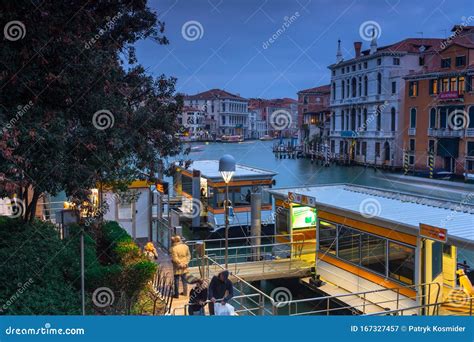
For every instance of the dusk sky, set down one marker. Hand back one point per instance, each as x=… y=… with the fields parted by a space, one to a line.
x=229 y=53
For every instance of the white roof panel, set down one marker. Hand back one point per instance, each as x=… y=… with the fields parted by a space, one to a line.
x=210 y=169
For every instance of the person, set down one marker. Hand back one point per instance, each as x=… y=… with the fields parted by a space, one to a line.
x=248 y=197
x=197 y=298
x=220 y=288
x=180 y=257
x=150 y=251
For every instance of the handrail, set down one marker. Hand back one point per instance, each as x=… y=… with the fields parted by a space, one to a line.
x=422 y=306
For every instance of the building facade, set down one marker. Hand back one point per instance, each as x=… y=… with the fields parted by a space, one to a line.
x=225 y=113
x=193 y=124
x=366 y=100
x=439 y=109
x=280 y=115
x=314 y=117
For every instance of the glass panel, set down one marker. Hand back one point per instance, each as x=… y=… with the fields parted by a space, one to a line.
x=125 y=211
x=401 y=263
x=327 y=237
x=281 y=220
x=373 y=253
x=349 y=245
x=436 y=259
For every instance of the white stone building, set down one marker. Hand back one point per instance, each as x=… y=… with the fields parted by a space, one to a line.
x=366 y=100
x=225 y=113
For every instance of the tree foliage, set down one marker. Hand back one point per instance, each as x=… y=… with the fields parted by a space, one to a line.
x=75 y=107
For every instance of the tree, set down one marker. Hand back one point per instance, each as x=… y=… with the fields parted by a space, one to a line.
x=76 y=107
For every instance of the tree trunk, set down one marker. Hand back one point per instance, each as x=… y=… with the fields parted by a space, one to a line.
x=34 y=201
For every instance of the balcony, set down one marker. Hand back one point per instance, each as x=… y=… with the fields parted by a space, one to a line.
x=470 y=132
x=447 y=133
x=412 y=132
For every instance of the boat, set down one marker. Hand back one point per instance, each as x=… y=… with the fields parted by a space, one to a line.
x=266 y=137
x=198 y=148
x=469 y=176
x=232 y=138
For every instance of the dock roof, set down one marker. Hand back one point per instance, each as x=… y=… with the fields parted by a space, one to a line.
x=399 y=211
x=210 y=170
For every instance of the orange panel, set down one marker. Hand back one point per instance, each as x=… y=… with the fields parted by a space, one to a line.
x=370 y=228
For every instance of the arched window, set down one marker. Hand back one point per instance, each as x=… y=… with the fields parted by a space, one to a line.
x=333 y=90
x=433 y=118
x=379 y=83
x=393 y=121
x=365 y=119
x=379 y=118
x=354 y=87
x=305 y=99
x=343 y=87
x=360 y=86
x=366 y=85
x=342 y=121
x=471 y=117
x=413 y=118
x=353 y=119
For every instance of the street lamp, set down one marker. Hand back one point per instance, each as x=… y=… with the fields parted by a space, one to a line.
x=227 y=169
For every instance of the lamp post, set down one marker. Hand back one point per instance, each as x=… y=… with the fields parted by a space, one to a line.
x=227 y=169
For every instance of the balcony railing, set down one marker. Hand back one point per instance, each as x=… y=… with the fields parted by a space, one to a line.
x=412 y=131
x=470 y=132
x=447 y=133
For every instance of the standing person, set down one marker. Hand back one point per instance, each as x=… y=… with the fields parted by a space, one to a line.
x=220 y=288
x=180 y=257
x=197 y=298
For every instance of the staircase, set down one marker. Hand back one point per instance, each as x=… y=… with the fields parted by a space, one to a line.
x=458 y=303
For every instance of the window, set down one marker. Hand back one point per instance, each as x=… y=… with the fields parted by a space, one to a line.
x=333 y=146
x=223 y=108
x=334 y=72
x=433 y=118
x=379 y=119
x=343 y=87
x=393 y=121
x=327 y=237
x=334 y=91
x=342 y=121
x=461 y=85
x=453 y=84
x=460 y=61
x=401 y=263
x=373 y=253
x=436 y=259
x=348 y=245
x=379 y=61
x=365 y=119
x=445 y=84
x=364 y=148
x=365 y=65
x=354 y=87
x=396 y=61
x=433 y=88
x=223 y=119
x=471 y=117
x=413 y=118
x=412 y=145
x=354 y=68
x=443 y=117
x=379 y=83
x=366 y=85
x=413 y=88
x=446 y=63
x=377 y=149
x=421 y=61
x=305 y=99
x=470 y=148
x=394 y=87
x=431 y=146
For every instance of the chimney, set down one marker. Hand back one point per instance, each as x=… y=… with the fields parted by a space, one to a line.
x=357 y=48
x=339 y=53
x=373 y=43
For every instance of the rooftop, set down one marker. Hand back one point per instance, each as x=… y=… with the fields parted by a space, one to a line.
x=320 y=89
x=210 y=170
x=397 y=208
x=214 y=94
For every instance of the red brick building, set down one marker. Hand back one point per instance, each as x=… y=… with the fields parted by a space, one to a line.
x=439 y=108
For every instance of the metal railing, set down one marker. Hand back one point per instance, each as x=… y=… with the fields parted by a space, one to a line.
x=425 y=307
x=322 y=305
